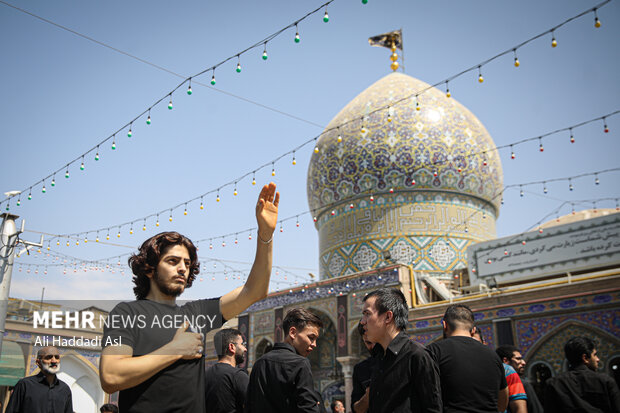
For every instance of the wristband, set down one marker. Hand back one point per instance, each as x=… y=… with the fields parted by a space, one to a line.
x=262 y=240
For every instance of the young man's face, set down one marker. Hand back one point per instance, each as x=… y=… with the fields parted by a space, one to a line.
x=517 y=362
x=373 y=322
x=49 y=362
x=304 y=340
x=592 y=362
x=172 y=271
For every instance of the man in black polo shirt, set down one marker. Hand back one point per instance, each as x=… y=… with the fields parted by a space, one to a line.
x=581 y=389
x=407 y=379
x=42 y=393
x=472 y=375
x=281 y=380
x=226 y=384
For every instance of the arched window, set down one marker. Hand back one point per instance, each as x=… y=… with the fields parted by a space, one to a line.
x=539 y=373
x=263 y=348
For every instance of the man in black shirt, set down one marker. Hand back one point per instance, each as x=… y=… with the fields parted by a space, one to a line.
x=226 y=385
x=407 y=379
x=472 y=375
x=42 y=393
x=512 y=356
x=362 y=372
x=581 y=389
x=281 y=380
x=149 y=356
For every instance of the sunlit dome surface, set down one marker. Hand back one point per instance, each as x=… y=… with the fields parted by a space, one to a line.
x=442 y=147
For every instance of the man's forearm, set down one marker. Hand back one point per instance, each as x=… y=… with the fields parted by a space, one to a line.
x=255 y=288
x=120 y=372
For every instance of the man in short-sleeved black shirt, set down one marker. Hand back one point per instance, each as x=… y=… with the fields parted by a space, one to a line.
x=149 y=355
x=281 y=380
x=226 y=384
x=407 y=379
x=43 y=392
x=472 y=376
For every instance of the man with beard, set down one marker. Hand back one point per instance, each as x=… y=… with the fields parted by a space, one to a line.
x=582 y=388
x=512 y=356
x=149 y=355
x=42 y=393
x=226 y=384
x=281 y=380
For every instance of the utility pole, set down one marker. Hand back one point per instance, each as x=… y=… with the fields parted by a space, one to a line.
x=8 y=242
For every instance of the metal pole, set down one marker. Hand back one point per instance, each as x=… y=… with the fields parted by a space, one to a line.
x=8 y=241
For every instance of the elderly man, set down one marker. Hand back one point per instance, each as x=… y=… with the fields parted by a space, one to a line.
x=43 y=392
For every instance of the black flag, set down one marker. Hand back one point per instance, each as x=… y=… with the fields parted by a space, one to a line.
x=388 y=39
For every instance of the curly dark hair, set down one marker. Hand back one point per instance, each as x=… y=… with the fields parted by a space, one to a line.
x=146 y=260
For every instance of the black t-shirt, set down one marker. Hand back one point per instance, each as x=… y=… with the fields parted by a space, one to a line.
x=471 y=374
x=225 y=388
x=145 y=326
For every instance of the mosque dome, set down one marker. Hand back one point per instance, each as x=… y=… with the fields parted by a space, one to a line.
x=441 y=146
x=402 y=178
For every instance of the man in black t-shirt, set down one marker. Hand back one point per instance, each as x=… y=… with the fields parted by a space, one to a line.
x=148 y=354
x=226 y=384
x=472 y=375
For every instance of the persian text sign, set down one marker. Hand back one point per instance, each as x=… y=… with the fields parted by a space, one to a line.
x=581 y=245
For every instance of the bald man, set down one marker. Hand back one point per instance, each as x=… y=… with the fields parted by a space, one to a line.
x=43 y=392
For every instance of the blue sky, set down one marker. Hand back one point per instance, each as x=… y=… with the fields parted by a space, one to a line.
x=63 y=94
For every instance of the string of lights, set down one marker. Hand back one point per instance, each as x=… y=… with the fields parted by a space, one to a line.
x=250 y=231
x=147 y=112
x=314 y=139
x=135 y=223
x=156 y=66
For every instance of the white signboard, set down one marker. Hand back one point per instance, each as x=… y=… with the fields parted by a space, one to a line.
x=582 y=245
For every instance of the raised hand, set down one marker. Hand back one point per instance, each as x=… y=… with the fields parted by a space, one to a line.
x=267 y=211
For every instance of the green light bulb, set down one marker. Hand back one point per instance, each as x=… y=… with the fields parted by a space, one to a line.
x=148 y=120
x=97 y=156
x=113 y=145
x=29 y=197
x=364 y=1
x=67 y=174
x=238 y=68
x=265 y=55
x=43 y=189
x=82 y=166
x=326 y=17
x=297 y=39
x=213 y=80
x=19 y=202
x=129 y=133
x=170 y=105
x=189 y=90
x=53 y=182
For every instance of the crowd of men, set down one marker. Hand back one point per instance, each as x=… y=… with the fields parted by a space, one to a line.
x=162 y=368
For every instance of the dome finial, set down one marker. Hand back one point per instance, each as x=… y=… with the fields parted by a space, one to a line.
x=392 y=40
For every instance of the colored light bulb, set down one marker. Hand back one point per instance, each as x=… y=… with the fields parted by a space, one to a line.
x=325 y=17
x=170 y=104
x=238 y=70
x=189 y=90
x=97 y=156
x=129 y=133
x=213 y=80
x=148 y=120
x=297 y=39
